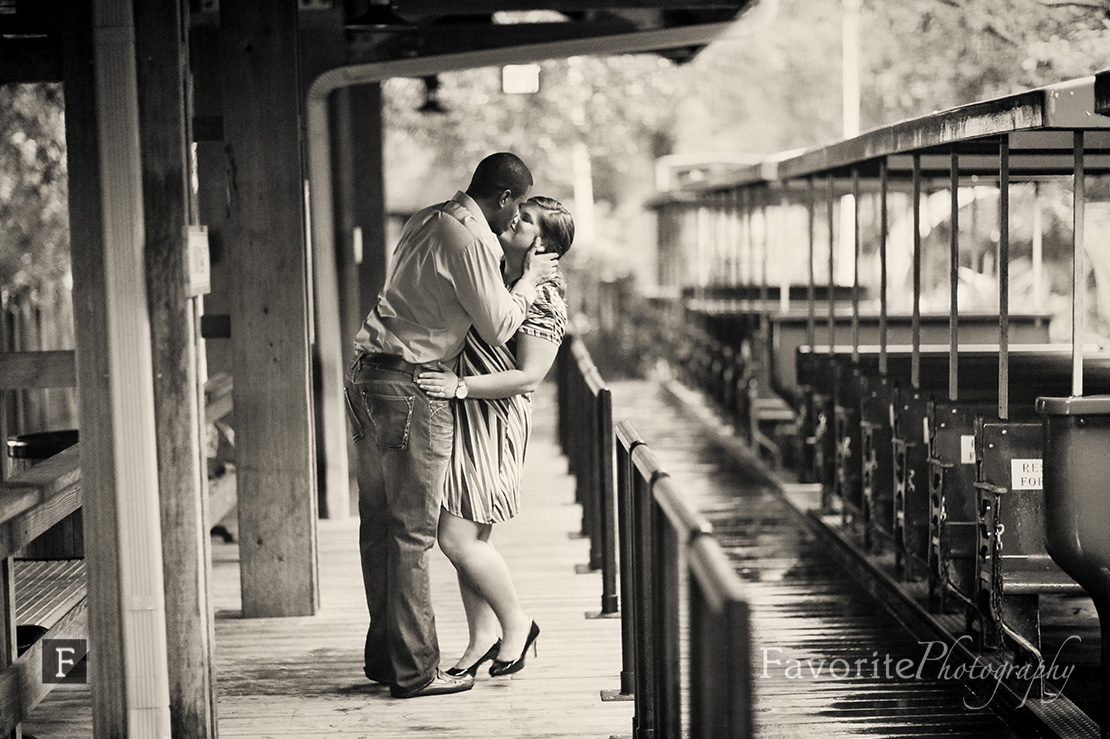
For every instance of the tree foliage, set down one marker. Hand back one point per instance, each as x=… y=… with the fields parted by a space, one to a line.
x=776 y=89
x=34 y=220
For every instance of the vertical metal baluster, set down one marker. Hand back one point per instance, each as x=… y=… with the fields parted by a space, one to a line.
x=915 y=364
x=1004 y=277
x=954 y=281
x=882 y=266
x=1079 y=260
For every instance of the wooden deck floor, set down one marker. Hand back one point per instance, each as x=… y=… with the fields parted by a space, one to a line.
x=302 y=677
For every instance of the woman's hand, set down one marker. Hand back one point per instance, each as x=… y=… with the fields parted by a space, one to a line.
x=438 y=383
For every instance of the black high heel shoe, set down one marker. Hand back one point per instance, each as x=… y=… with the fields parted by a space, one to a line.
x=473 y=669
x=500 y=667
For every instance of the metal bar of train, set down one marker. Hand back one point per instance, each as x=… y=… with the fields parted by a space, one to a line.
x=951 y=419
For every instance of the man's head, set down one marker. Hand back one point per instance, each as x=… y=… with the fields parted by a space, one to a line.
x=500 y=184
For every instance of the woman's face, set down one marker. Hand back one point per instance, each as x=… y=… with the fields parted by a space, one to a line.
x=524 y=229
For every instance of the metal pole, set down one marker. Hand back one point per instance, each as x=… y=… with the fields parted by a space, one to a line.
x=883 y=233
x=954 y=281
x=855 y=264
x=607 y=500
x=811 y=300
x=832 y=263
x=1038 y=249
x=915 y=362
x=1078 y=270
x=1004 y=278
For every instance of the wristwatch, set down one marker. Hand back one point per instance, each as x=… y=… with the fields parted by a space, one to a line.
x=461 y=390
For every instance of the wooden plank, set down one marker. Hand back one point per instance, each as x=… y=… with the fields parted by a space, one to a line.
x=222 y=497
x=21 y=685
x=163 y=81
x=52 y=489
x=119 y=463
x=26 y=370
x=217 y=397
x=265 y=238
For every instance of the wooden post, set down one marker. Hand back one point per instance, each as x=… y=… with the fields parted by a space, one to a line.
x=370 y=215
x=213 y=177
x=164 y=118
x=119 y=465
x=270 y=319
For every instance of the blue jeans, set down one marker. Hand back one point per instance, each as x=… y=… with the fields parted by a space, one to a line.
x=403 y=442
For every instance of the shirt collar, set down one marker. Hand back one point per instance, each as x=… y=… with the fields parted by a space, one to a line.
x=468 y=202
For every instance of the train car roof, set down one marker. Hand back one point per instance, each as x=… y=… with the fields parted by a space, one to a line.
x=1039 y=123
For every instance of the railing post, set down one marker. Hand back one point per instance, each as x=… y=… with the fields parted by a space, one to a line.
x=720 y=645
x=607 y=523
x=593 y=434
x=644 y=599
x=627 y=441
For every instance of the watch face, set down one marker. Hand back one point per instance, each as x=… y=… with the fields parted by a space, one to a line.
x=461 y=390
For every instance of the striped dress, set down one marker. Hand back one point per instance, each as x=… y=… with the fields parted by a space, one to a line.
x=491 y=435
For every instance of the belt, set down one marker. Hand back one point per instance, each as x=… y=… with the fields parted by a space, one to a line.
x=388 y=362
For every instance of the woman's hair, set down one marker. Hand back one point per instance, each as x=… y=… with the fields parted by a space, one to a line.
x=556 y=224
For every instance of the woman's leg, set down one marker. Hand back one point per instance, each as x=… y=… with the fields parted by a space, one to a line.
x=483 y=576
x=481 y=621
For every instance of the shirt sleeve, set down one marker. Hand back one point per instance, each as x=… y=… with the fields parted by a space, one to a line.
x=495 y=312
x=547 y=318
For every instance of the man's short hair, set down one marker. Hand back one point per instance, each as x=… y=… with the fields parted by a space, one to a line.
x=500 y=172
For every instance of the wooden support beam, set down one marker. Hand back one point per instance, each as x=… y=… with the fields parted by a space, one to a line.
x=22 y=370
x=368 y=206
x=417 y=8
x=213 y=191
x=265 y=240
x=163 y=79
x=119 y=465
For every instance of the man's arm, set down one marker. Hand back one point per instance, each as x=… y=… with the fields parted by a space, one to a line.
x=496 y=312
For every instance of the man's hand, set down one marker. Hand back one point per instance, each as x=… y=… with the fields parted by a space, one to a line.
x=538 y=268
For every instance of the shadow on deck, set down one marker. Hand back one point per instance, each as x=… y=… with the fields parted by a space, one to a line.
x=302 y=677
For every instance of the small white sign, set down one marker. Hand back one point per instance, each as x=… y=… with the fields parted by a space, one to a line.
x=1026 y=474
x=967 y=449
x=200 y=272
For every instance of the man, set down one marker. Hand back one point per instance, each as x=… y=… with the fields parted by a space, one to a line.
x=445 y=278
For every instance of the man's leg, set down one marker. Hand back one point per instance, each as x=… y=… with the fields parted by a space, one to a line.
x=411 y=436
x=373 y=534
x=414 y=506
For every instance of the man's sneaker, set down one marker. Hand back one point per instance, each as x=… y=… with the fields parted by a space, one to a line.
x=442 y=684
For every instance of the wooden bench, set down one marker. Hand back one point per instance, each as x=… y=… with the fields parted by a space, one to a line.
x=1012 y=566
x=46 y=599
x=49 y=595
x=788 y=333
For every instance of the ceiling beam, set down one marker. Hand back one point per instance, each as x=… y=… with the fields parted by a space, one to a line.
x=35 y=59
x=453 y=7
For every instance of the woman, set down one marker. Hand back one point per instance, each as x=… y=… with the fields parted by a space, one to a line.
x=492 y=425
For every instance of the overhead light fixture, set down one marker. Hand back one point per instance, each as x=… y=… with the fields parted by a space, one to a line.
x=520 y=79
x=431 y=105
x=375 y=16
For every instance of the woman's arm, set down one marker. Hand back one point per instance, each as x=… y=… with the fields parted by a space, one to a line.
x=534 y=358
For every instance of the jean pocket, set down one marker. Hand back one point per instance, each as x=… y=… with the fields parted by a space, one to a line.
x=357 y=431
x=392 y=417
